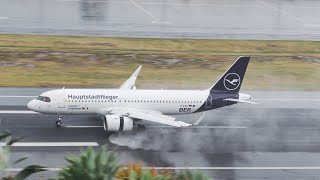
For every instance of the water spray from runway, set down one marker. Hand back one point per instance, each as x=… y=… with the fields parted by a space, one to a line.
x=262 y=129
x=223 y=129
x=194 y=143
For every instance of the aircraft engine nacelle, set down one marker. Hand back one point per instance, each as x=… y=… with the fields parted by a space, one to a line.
x=117 y=123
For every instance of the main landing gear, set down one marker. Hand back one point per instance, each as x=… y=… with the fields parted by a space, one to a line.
x=59 y=121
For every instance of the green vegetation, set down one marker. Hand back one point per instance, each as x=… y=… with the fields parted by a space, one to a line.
x=135 y=171
x=100 y=166
x=5 y=160
x=91 y=165
x=104 y=166
x=189 y=175
x=27 y=60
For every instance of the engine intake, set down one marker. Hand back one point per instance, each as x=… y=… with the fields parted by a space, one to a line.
x=117 y=123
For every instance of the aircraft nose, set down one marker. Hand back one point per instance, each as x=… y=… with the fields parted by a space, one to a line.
x=30 y=105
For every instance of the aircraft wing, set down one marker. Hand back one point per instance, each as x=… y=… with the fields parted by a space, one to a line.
x=130 y=83
x=239 y=101
x=147 y=115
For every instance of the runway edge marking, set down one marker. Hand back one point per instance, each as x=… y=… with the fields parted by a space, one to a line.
x=52 y=144
x=17 y=112
x=18 y=96
x=287 y=99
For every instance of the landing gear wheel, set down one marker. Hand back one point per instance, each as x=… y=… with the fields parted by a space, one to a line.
x=141 y=127
x=58 y=123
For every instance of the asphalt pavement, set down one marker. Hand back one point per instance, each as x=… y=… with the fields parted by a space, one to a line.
x=276 y=139
x=232 y=19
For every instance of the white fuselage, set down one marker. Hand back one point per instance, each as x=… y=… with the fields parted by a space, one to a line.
x=120 y=108
x=90 y=101
x=224 y=92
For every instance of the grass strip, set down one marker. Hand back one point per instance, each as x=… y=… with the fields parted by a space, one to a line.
x=32 y=61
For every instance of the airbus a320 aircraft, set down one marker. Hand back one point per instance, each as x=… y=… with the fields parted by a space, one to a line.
x=125 y=108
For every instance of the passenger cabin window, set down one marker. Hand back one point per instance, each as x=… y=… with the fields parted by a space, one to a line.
x=43 y=98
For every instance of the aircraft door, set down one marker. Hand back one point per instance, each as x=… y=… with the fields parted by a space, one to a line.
x=61 y=101
x=61 y=104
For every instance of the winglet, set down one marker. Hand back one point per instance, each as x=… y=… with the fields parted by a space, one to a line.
x=130 y=83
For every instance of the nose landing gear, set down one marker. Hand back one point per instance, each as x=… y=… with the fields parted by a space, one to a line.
x=59 y=121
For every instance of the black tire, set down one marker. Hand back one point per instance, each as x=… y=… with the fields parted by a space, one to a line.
x=58 y=123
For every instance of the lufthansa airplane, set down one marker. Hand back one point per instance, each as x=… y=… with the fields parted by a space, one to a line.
x=124 y=108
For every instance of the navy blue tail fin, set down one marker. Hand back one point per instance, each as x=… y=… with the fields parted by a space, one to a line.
x=232 y=79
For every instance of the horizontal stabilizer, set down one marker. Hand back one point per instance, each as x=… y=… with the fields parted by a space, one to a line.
x=240 y=101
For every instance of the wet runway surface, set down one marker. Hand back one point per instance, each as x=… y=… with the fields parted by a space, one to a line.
x=232 y=19
x=276 y=139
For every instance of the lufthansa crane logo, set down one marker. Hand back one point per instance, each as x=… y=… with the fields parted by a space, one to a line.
x=231 y=81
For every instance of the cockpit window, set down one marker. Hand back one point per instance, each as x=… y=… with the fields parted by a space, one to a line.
x=43 y=98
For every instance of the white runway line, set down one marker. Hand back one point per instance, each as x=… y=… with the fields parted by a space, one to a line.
x=83 y=126
x=202 y=168
x=20 y=169
x=219 y=127
x=312 y=25
x=68 y=0
x=18 y=112
x=186 y=4
x=144 y=10
x=52 y=144
x=161 y=22
x=200 y=127
x=238 y=168
x=136 y=4
x=282 y=11
x=199 y=4
x=4 y=18
x=171 y=127
x=18 y=96
x=316 y=100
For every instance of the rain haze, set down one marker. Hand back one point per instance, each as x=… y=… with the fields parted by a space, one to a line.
x=277 y=138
